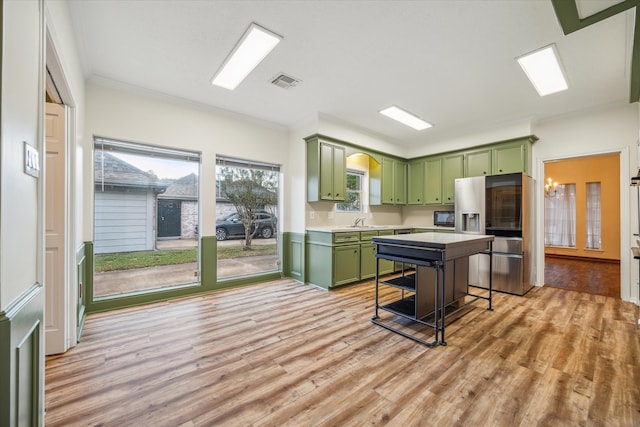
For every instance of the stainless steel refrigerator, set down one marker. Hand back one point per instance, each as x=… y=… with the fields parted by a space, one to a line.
x=499 y=205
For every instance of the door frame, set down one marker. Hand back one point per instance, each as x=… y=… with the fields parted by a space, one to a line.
x=625 y=224
x=70 y=285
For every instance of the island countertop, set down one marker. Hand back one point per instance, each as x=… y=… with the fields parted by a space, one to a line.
x=432 y=246
x=347 y=228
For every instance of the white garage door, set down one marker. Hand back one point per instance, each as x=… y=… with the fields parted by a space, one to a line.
x=123 y=221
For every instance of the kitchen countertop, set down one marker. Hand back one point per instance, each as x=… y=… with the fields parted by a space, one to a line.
x=345 y=228
x=434 y=240
x=433 y=246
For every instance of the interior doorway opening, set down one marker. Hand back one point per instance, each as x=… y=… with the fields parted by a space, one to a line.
x=582 y=224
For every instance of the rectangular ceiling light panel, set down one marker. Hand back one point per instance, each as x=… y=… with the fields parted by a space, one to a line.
x=253 y=47
x=406 y=118
x=543 y=69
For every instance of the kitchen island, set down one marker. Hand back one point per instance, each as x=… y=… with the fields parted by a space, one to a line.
x=439 y=284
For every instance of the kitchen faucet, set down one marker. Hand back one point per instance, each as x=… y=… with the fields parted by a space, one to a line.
x=359 y=221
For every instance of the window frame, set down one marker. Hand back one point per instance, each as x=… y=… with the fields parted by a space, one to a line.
x=340 y=206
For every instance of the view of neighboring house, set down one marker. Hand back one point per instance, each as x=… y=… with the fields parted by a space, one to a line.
x=125 y=205
x=178 y=209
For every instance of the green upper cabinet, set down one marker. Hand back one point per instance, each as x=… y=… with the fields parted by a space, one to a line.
x=478 y=162
x=326 y=171
x=452 y=169
x=511 y=157
x=388 y=183
x=433 y=180
x=415 y=182
x=502 y=158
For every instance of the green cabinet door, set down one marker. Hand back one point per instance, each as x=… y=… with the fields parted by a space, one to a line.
x=386 y=266
x=339 y=174
x=433 y=181
x=326 y=171
x=478 y=163
x=415 y=182
x=510 y=158
x=452 y=168
x=400 y=183
x=367 y=260
x=346 y=264
x=388 y=175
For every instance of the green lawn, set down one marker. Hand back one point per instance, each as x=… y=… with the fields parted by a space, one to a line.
x=141 y=259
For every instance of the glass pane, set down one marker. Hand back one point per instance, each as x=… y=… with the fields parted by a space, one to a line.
x=246 y=218
x=594 y=229
x=354 y=194
x=145 y=221
x=560 y=217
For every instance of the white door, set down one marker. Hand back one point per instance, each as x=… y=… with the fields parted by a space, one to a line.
x=56 y=199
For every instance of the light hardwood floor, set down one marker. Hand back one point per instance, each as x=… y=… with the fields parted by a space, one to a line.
x=288 y=354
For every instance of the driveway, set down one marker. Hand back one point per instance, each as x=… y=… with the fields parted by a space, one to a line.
x=141 y=279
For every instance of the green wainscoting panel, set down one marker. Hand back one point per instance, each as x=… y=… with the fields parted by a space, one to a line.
x=82 y=267
x=22 y=360
x=208 y=261
x=293 y=255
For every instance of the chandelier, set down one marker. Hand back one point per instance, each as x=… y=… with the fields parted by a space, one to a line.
x=550 y=188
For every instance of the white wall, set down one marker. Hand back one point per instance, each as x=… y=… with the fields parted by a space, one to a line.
x=21 y=120
x=149 y=118
x=613 y=129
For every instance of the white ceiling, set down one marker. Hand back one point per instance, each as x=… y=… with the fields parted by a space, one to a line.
x=449 y=62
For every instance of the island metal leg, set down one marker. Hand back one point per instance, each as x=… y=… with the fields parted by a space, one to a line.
x=440 y=266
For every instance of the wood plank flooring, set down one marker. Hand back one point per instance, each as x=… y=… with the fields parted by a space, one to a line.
x=288 y=354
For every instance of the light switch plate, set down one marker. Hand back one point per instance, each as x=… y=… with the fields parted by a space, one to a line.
x=31 y=160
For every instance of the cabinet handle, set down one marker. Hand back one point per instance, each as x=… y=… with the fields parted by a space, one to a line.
x=500 y=170
x=418 y=199
x=484 y=172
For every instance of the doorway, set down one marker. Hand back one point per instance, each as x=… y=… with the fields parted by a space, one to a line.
x=582 y=224
x=169 y=218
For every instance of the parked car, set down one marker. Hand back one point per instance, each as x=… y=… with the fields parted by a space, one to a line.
x=232 y=226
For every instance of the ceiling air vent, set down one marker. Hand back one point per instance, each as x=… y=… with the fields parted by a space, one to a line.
x=284 y=81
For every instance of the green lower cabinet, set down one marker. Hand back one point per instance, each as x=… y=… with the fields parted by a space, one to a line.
x=340 y=258
x=368 y=262
x=346 y=264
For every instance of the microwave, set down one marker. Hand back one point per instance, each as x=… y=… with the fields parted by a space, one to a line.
x=444 y=218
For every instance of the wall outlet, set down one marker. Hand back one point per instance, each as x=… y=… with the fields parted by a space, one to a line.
x=312 y=215
x=330 y=215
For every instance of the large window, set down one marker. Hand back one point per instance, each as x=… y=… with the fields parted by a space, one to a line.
x=560 y=217
x=246 y=217
x=353 y=202
x=146 y=218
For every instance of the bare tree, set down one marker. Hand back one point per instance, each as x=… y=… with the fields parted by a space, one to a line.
x=249 y=190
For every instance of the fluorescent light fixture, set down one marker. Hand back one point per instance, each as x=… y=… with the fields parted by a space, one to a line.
x=253 y=47
x=406 y=118
x=543 y=68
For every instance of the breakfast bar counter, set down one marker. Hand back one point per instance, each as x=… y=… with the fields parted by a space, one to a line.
x=439 y=283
